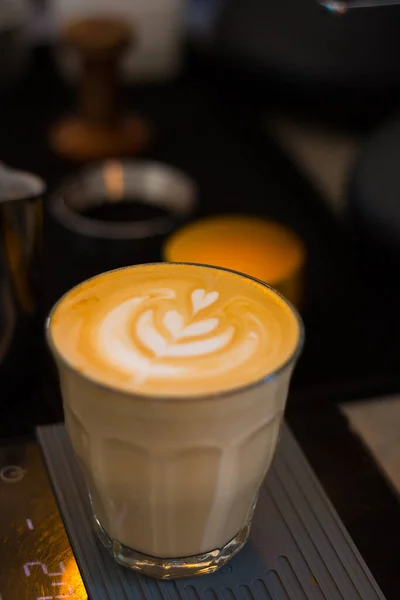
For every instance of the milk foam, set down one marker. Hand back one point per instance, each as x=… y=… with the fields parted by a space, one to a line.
x=179 y=329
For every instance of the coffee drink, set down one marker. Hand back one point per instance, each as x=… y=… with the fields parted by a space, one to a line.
x=174 y=330
x=171 y=406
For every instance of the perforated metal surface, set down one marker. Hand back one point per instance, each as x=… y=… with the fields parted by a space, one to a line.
x=298 y=550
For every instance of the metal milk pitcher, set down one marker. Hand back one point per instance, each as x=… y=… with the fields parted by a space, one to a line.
x=21 y=223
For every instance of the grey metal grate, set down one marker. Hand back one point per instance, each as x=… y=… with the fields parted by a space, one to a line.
x=298 y=550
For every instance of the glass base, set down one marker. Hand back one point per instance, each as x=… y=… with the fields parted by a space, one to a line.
x=172 y=568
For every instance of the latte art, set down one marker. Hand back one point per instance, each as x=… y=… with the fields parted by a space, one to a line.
x=141 y=340
x=180 y=329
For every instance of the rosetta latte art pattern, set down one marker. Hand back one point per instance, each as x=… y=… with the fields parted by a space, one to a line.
x=174 y=329
x=131 y=338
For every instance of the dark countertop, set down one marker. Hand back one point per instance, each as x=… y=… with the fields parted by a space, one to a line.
x=214 y=134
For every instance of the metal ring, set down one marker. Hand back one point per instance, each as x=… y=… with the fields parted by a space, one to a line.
x=116 y=181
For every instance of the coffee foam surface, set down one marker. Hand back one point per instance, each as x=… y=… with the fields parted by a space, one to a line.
x=173 y=329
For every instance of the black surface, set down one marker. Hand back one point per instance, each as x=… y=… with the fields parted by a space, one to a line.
x=374 y=208
x=130 y=210
x=215 y=136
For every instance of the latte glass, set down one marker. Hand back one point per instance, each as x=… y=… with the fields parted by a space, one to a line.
x=173 y=481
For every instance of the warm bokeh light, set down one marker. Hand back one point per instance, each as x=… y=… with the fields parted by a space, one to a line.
x=114 y=180
x=263 y=249
x=72 y=580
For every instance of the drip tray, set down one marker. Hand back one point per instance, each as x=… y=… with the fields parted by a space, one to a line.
x=298 y=549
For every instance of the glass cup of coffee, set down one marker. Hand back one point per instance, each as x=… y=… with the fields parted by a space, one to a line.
x=174 y=380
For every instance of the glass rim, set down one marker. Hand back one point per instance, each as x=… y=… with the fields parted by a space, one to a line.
x=292 y=358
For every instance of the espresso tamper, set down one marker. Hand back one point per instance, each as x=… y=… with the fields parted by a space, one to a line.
x=100 y=128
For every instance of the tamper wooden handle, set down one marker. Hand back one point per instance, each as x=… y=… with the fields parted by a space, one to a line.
x=99 y=44
x=100 y=129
